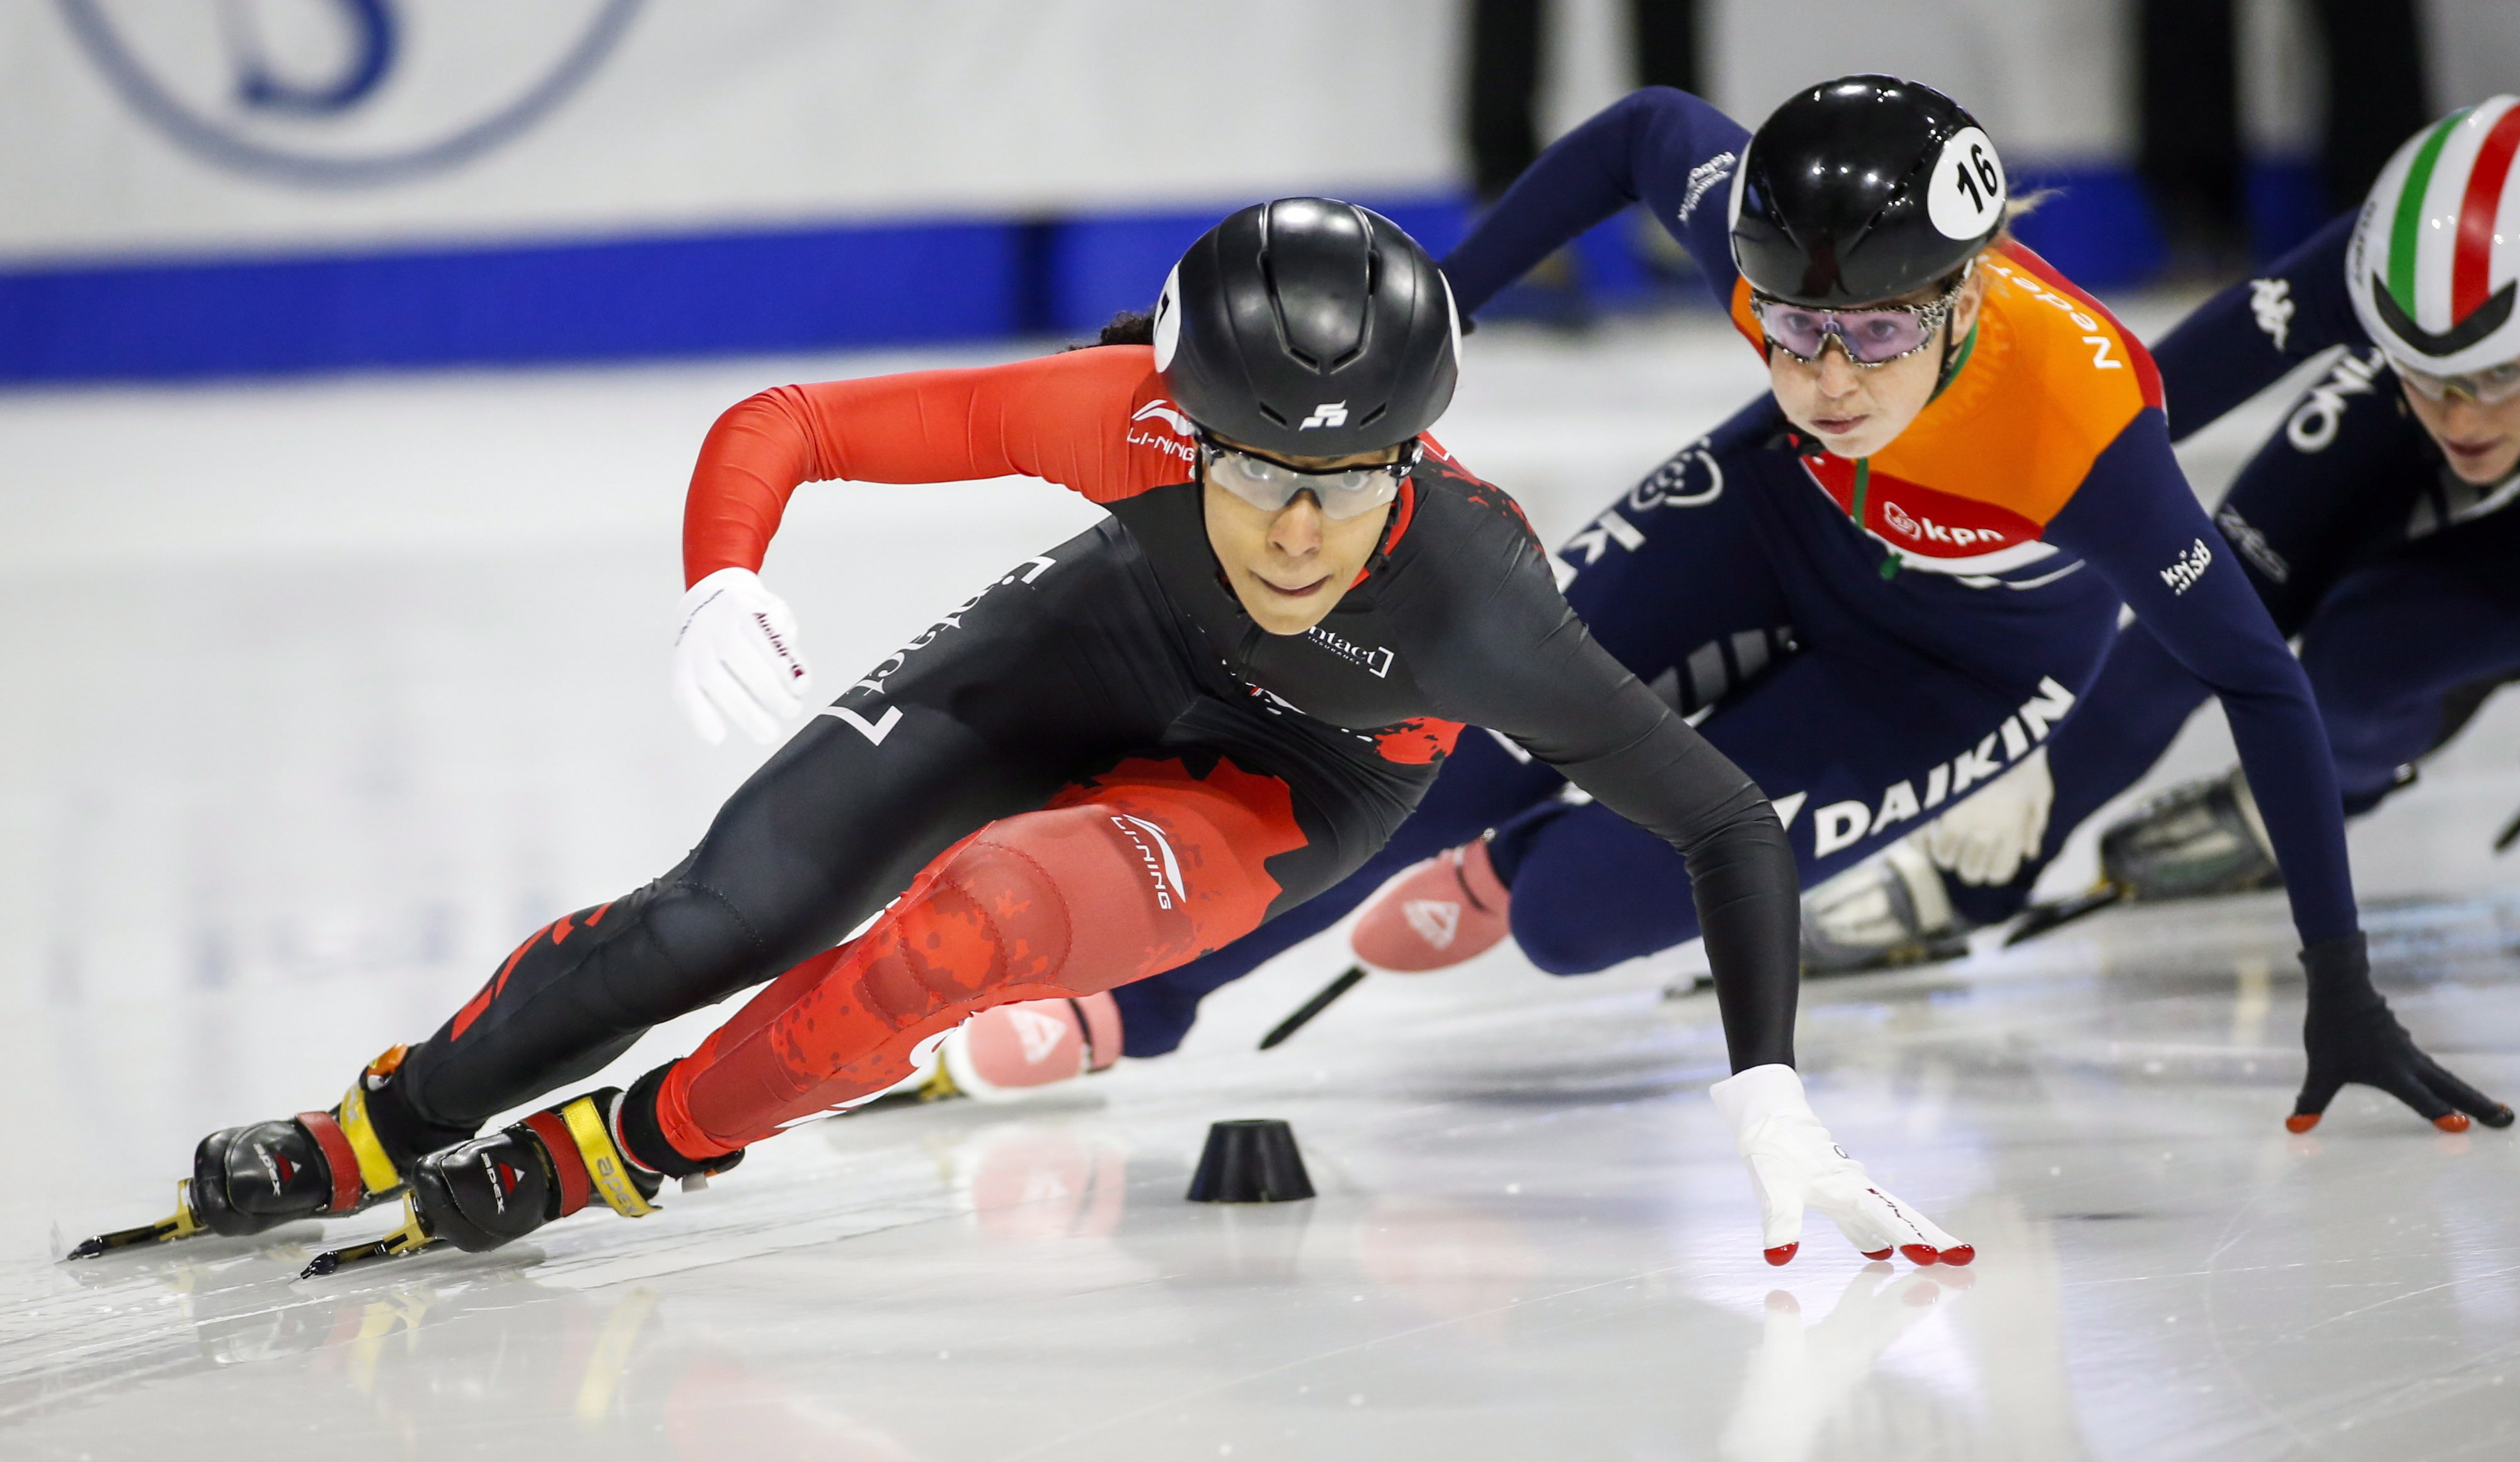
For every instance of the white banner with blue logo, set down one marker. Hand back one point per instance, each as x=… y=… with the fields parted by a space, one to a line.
x=215 y=186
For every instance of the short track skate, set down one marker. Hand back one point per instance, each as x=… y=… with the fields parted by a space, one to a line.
x=248 y=1180
x=490 y=1191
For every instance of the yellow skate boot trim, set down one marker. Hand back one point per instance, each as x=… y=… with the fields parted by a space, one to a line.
x=939 y=1087
x=606 y=1169
x=376 y=1169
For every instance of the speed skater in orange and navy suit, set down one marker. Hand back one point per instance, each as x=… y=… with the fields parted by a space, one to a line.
x=1885 y=585
x=1132 y=748
x=2376 y=523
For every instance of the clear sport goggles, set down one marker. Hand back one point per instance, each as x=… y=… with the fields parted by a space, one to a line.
x=2489 y=387
x=1870 y=338
x=1269 y=484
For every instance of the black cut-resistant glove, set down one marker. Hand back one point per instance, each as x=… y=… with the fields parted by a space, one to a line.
x=2351 y=1037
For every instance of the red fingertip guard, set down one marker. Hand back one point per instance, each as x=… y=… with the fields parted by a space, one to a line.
x=2455 y=1121
x=1783 y=1254
x=1919 y=1254
x=1959 y=1253
x=2301 y=1122
x=1874 y=1253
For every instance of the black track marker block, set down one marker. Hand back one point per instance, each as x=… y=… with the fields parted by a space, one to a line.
x=1250 y=1162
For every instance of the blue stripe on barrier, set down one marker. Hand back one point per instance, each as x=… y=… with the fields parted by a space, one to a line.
x=807 y=288
x=786 y=289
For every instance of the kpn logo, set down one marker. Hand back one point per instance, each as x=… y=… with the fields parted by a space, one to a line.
x=344 y=93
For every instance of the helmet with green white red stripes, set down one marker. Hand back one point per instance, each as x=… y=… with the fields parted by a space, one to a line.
x=2435 y=262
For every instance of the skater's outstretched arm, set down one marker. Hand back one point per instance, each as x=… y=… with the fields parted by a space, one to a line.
x=1065 y=417
x=1670 y=151
x=2246 y=339
x=2137 y=521
x=1534 y=673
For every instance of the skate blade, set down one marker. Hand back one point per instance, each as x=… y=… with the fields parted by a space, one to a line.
x=183 y=1225
x=1316 y=1005
x=1942 y=949
x=2044 y=919
x=411 y=1238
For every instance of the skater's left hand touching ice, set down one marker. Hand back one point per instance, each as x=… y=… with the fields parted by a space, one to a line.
x=2351 y=1036
x=1795 y=1163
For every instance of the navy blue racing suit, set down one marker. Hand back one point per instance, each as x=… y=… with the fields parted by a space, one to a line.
x=1868 y=648
x=2400 y=579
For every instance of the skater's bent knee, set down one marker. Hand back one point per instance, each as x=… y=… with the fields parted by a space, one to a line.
x=1069 y=901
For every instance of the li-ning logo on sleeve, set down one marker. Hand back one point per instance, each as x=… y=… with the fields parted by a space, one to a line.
x=1164 y=413
x=2182 y=575
x=1377 y=659
x=1702 y=179
x=1165 y=872
x=1327 y=414
x=2271 y=302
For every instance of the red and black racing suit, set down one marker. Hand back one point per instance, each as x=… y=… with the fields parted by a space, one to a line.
x=1096 y=769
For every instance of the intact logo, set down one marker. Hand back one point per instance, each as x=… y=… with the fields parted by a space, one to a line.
x=2089 y=324
x=1840 y=825
x=1377 y=661
x=502 y=1180
x=770 y=632
x=1162 y=868
x=2191 y=566
x=1162 y=413
x=1926 y=530
x=1436 y=921
x=1702 y=180
x=2271 y=300
x=1327 y=414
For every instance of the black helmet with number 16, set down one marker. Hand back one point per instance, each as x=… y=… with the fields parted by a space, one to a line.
x=1861 y=189
x=1308 y=328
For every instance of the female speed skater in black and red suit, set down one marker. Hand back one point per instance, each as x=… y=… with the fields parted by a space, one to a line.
x=1884 y=588
x=1132 y=749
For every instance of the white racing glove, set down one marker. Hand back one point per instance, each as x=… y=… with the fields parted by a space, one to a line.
x=734 y=659
x=1986 y=837
x=1794 y=1163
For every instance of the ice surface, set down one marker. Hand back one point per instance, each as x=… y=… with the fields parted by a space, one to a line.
x=320 y=696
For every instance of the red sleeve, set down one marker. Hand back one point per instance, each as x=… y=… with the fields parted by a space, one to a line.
x=1065 y=417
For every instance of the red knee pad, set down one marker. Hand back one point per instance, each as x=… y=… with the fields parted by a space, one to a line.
x=1118 y=879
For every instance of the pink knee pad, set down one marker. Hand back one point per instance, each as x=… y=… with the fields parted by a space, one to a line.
x=1008 y=1052
x=1450 y=908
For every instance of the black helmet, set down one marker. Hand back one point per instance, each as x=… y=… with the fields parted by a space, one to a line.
x=1309 y=327
x=1861 y=189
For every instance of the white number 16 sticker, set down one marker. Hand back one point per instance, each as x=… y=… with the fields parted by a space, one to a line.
x=1966 y=194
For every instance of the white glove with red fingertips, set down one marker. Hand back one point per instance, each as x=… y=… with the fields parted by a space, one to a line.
x=1795 y=1163
x=735 y=660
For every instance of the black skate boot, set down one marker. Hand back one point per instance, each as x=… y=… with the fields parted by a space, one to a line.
x=247 y=1179
x=492 y=1191
x=2197 y=840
